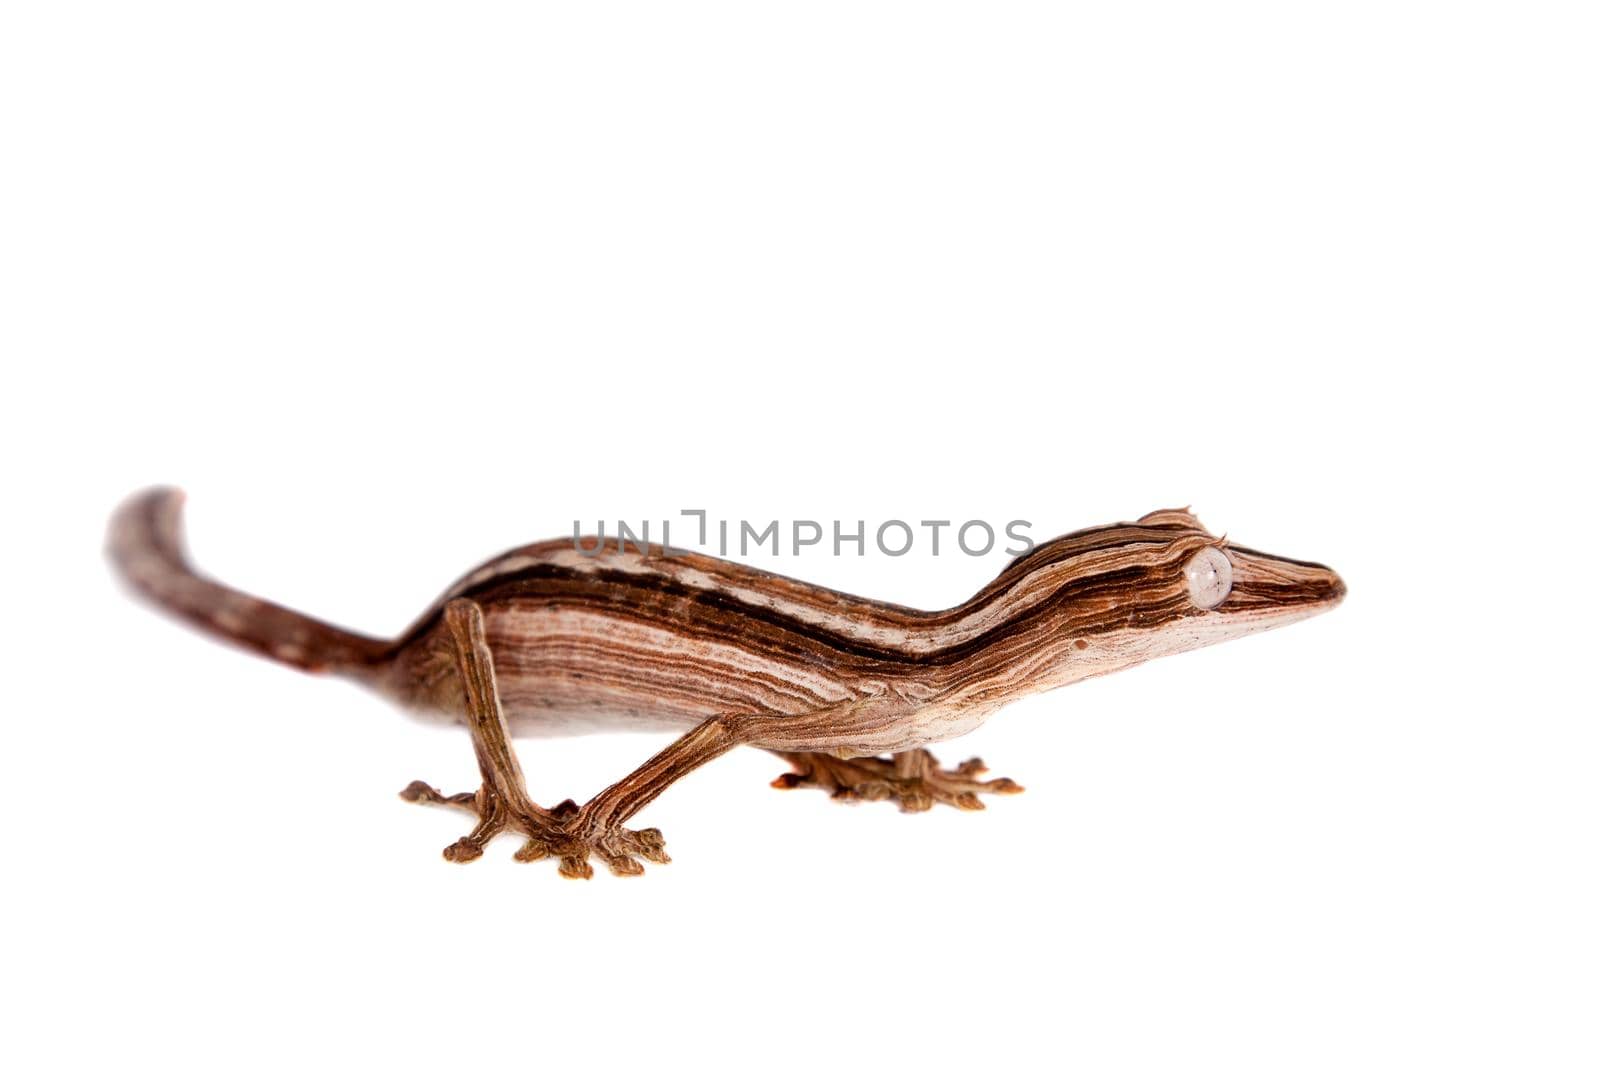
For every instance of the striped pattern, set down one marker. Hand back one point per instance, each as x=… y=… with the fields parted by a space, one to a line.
x=629 y=638
x=639 y=639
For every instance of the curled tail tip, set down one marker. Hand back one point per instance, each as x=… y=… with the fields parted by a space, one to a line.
x=145 y=544
x=150 y=520
x=155 y=499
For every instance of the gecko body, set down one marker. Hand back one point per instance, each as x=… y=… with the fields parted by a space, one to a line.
x=547 y=639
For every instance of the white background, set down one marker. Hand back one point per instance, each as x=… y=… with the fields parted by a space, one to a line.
x=391 y=287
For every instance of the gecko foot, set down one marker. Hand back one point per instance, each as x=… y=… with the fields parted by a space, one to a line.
x=619 y=849
x=914 y=780
x=562 y=833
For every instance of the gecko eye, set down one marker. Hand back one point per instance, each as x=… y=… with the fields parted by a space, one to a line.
x=1210 y=577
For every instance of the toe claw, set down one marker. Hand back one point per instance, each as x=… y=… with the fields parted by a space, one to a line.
x=651 y=845
x=533 y=849
x=576 y=867
x=464 y=851
x=967 y=802
x=420 y=792
x=871 y=791
x=624 y=866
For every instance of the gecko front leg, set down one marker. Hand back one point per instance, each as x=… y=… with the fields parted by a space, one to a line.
x=913 y=780
x=571 y=833
x=502 y=803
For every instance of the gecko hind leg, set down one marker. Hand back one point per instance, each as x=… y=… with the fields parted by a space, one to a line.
x=502 y=803
x=913 y=780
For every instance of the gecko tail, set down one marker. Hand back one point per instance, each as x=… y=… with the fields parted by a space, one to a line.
x=145 y=545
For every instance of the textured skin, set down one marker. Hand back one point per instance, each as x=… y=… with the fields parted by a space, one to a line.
x=548 y=638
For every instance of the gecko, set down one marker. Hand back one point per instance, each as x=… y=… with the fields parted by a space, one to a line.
x=550 y=639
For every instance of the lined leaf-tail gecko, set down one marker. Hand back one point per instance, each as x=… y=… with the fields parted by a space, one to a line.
x=548 y=638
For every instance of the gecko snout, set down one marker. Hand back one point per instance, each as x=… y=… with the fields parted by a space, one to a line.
x=1271 y=585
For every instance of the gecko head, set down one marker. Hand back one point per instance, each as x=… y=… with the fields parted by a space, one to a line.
x=1112 y=596
x=1224 y=590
